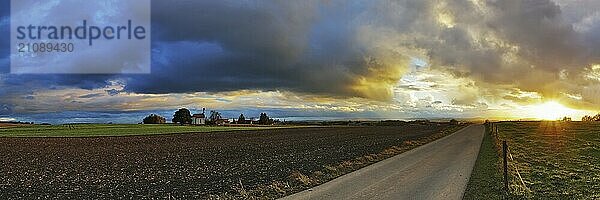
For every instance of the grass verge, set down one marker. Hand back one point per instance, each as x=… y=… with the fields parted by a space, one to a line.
x=486 y=179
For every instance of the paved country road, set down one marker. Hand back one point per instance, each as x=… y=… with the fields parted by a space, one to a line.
x=438 y=170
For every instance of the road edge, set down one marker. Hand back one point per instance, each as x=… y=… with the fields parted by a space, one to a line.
x=384 y=162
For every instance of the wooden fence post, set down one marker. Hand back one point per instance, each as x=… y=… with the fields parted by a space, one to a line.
x=496 y=129
x=504 y=152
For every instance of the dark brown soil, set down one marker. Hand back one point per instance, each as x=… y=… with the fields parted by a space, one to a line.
x=183 y=165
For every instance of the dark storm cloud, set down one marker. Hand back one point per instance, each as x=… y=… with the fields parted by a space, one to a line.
x=522 y=34
x=305 y=46
x=4 y=35
x=215 y=46
x=53 y=81
x=539 y=28
x=5 y=109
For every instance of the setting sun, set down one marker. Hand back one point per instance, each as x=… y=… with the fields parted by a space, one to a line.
x=552 y=110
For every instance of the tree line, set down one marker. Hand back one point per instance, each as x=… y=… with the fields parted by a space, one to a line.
x=264 y=119
x=154 y=119
x=594 y=118
x=184 y=116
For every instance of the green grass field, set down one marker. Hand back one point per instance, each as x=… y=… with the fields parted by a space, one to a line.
x=93 y=130
x=486 y=181
x=557 y=160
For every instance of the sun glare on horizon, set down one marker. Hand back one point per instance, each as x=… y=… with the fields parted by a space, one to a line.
x=552 y=110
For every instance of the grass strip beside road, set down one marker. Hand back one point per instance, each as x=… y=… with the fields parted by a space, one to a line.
x=486 y=178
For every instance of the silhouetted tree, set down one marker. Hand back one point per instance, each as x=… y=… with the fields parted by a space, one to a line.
x=453 y=122
x=182 y=116
x=586 y=118
x=241 y=119
x=214 y=117
x=154 y=119
x=264 y=119
x=590 y=118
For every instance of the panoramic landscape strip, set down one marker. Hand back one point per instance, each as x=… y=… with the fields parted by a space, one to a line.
x=300 y=100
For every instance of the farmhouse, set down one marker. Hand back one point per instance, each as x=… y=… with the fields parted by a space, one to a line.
x=199 y=119
x=222 y=122
x=247 y=121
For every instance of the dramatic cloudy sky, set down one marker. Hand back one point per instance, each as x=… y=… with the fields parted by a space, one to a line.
x=337 y=59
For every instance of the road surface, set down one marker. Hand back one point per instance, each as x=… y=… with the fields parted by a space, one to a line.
x=438 y=170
